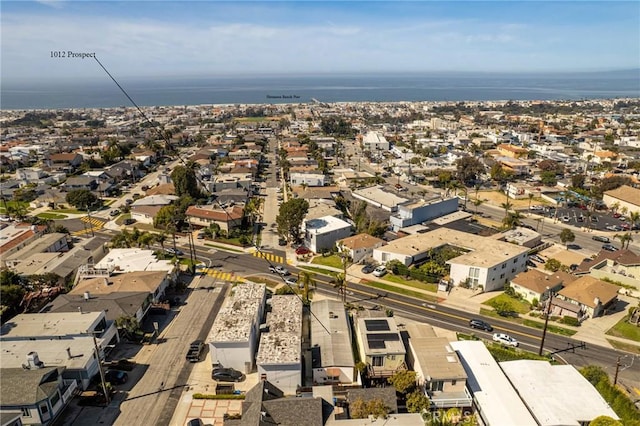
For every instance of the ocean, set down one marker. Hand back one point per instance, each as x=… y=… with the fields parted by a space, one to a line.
x=324 y=88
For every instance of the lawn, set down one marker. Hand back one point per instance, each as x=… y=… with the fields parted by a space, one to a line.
x=224 y=248
x=501 y=353
x=52 y=216
x=624 y=346
x=518 y=305
x=529 y=323
x=321 y=271
x=412 y=283
x=333 y=261
x=9 y=204
x=71 y=211
x=626 y=330
x=394 y=289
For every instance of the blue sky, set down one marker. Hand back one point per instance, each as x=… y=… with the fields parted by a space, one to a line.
x=170 y=38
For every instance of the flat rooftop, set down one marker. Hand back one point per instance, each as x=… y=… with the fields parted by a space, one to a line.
x=380 y=336
x=282 y=344
x=325 y=224
x=335 y=345
x=37 y=246
x=377 y=195
x=556 y=394
x=51 y=352
x=499 y=403
x=437 y=358
x=483 y=251
x=132 y=260
x=49 y=324
x=238 y=314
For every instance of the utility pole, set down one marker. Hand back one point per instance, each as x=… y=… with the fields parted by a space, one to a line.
x=615 y=377
x=546 y=321
x=102 y=379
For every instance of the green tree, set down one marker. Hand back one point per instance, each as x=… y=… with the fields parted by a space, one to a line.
x=604 y=421
x=417 y=401
x=81 y=198
x=9 y=277
x=504 y=308
x=548 y=178
x=577 y=181
x=553 y=265
x=185 y=182
x=165 y=218
x=512 y=219
x=290 y=217
x=361 y=409
x=404 y=381
x=567 y=236
x=11 y=295
x=307 y=280
x=468 y=169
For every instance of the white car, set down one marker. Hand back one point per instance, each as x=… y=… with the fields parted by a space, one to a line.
x=380 y=271
x=505 y=339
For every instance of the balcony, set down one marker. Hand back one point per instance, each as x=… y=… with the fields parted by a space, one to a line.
x=450 y=399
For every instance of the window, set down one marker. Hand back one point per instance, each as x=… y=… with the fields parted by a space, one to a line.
x=474 y=274
x=54 y=399
x=453 y=383
x=377 y=361
x=504 y=265
x=513 y=270
x=437 y=386
x=392 y=357
x=515 y=260
x=26 y=412
x=501 y=275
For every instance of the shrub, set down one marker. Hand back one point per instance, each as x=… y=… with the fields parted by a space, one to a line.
x=570 y=321
x=209 y=396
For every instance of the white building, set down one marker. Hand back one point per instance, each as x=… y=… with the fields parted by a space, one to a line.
x=624 y=197
x=279 y=358
x=556 y=394
x=486 y=262
x=495 y=400
x=412 y=213
x=309 y=179
x=134 y=260
x=332 y=357
x=234 y=336
x=322 y=233
x=378 y=197
x=374 y=141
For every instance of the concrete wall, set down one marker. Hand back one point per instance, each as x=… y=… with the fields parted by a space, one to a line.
x=236 y=355
x=493 y=278
x=320 y=375
x=287 y=377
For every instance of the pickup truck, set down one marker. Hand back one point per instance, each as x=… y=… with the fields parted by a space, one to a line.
x=195 y=351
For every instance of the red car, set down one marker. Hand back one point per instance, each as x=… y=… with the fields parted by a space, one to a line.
x=302 y=250
x=617 y=215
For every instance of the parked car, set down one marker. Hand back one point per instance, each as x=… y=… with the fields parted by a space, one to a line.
x=176 y=252
x=129 y=221
x=479 y=324
x=282 y=242
x=380 y=271
x=614 y=228
x=367 y=269
x=115 y=212
x=279 y=270
x=195 y=422
x=609 y=247
x=505 y=339
x=227 y=375
x=566 y=219
x=302 y=250
x=601 y=239
x=116 y=377
x=291 y=281
x=537 y=258
x=194 y=354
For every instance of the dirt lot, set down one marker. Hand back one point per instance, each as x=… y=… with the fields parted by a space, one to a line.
x=496 y=198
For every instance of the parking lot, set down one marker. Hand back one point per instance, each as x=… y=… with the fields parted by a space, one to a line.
x=579 y=217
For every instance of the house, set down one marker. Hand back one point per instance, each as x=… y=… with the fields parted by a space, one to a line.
x=556 y=394
x=322 y=207
x=624 y=197
x=485 y=261
x=205 y=216
x=592 y=295
x=235 y=333
x=535 y=284
x=495 y=400
x=438 y=369
x=374 y=141
x=15 y=236
x=40 y=393
x=80 y=182
x=380 y=346
x=359 y=246
x=143 y=210
x=279 y=357
x=30 y=175
x=67 y=161
x=423 y=210
x=308 y=179
x=620 y=265
x=133 y=304
x=321 y=233
x=152 y=282
x=332 y=357
x=518 y=167
x=512 y=151
x=48 y=243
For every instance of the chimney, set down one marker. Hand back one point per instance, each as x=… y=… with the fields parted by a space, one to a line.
x=69 y=353
x=87 y=296
x=79 y=309
x=33 y=362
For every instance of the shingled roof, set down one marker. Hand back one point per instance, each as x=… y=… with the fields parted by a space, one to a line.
x=27 y=387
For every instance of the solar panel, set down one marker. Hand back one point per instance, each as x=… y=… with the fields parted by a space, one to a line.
x=377 y=325
x=390 y=337
x=376 y=344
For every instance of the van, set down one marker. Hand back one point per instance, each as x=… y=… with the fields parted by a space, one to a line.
x=600 y=239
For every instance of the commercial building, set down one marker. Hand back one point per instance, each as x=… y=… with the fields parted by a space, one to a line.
x=624 y=197
x=379 y=198
x=279 y=357
x=520 y=236
x=322 y=233
x=556 y=394
x=332 y=357
x=233 y=339
x=415 y=212
x=374 y=141
x=494 y=398
x=309 y=179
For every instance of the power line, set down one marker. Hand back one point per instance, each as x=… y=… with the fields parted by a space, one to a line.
x=202 y=184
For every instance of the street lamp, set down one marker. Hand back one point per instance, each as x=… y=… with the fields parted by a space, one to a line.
x=546 y=319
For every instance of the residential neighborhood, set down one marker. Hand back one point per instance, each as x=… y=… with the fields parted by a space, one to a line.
x=417 y=262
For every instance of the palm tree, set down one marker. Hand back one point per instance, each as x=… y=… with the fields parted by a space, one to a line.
x=530 y=199
x=512 y=219
x=145 y=239
x=477 y=203
x=340 y=282
x=634 y=218
x=160 y=239
x=307 y=279
x=506 y=206
x=615 y=206
x=626 y=238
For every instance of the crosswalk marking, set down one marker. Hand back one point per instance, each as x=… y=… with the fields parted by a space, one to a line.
x=271 y=257
x=223 y=276
x=95 y=225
